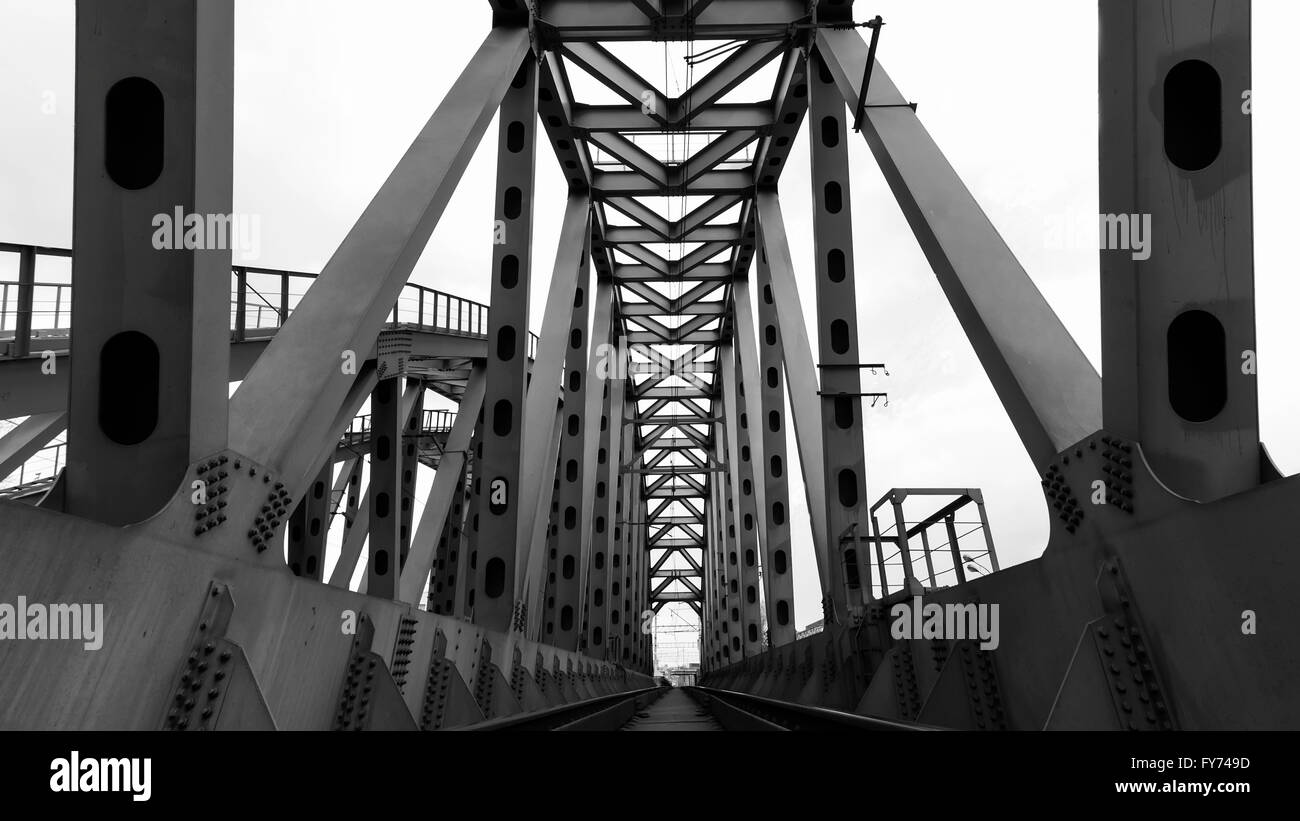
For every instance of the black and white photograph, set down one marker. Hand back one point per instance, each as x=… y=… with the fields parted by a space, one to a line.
x=924 y=373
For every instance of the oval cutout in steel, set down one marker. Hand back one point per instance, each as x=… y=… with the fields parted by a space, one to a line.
x=134 y=136
x=129 y=374
x=1193 y=118
x=1196 y=352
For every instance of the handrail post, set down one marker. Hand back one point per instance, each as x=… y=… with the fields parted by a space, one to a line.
x=284 y=297
x=950 y=524
x=241 y=302
x=26 y=292
x=988 y=535
x=880 y=556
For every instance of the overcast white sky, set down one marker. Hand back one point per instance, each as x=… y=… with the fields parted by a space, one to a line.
x=330 y=93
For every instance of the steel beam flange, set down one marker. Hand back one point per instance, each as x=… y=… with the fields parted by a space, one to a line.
x=906 y=689
x=1139 y=699
x=402 y=647
x=545 y=681
x=447 y=701
x=211 y=670
x=369 y=698
x=983 y=691
x=491 y=690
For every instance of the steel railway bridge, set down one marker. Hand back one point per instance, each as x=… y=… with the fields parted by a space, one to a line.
x=634 y=453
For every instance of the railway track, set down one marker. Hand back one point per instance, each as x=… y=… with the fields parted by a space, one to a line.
x=689 y=709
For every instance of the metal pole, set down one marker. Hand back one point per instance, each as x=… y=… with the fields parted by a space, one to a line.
x=241 y=304
x=26 y=294
x=948 y=523
x=880 y=557
x=988 y=535
x=929 y=562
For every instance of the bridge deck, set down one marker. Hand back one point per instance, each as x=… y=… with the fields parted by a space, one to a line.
x=675 y=712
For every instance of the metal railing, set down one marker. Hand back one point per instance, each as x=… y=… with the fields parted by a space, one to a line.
x=937 y=550
x=432 y=421
x=438 y=421
x=261 y=299
x=42 y=467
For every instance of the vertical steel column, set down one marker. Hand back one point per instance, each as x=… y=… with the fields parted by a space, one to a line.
x=540 y=595
x=497 y=495
x=636 y=597
x=309 y=527
x=551 y=543
x=1177 y=267
x=463 y=604
x=599 y=566
x=153 y=153
x=717 y=482
x=26 y=298
x=618 y=613
x=837 y=331
x=603 y=585
x=626 y=529
x=641 y=583
x=732 y=626
x=386 y=425
x=442 y=586
x=776 y=561
x=706 y=618
x=749 y=544
x=574 y=477
x=636 y=526
x=410 y=447
x=744 y=518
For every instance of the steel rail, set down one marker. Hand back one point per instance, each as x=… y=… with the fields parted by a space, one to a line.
x=742 y=711
x=600 y=713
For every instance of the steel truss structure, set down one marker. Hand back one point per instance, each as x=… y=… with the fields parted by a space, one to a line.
x=634 y=454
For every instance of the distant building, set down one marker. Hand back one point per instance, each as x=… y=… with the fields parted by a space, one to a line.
x=683 y=676
x=811 y=630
